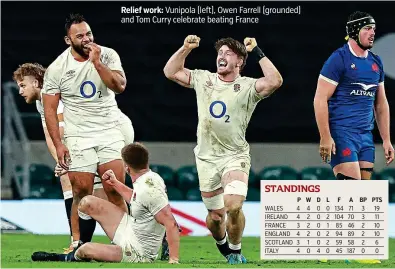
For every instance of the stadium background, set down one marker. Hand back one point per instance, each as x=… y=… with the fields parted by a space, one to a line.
x=282 y=132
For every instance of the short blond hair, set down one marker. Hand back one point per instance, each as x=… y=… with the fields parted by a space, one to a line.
x=30 y=69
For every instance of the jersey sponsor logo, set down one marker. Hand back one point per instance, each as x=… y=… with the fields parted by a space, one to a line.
x=353 y=66
x=223 y=111
x=365 y=89
x=83 y=90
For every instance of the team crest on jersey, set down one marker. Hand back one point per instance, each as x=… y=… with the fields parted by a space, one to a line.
x=346 y=152
x=149 y=182
x=375 y=67
x=353 y=66
x=105 y=59
x=236 y=87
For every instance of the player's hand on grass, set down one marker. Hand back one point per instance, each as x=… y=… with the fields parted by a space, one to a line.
x=94 y=53
x=388 y=152
x=250 y=43
x=59 y=171
x=109 y=178
x=327 y=146
x=63 y=155
x=191 y=42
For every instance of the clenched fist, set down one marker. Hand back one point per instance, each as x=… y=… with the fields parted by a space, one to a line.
x=191 y=42
x=109 y=178
x=250 y=43
x=94 y=52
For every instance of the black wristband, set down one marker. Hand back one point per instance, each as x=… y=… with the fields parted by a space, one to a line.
x=257 y=54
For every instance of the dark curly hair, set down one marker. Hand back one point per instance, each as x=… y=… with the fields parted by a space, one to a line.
x=73 y=19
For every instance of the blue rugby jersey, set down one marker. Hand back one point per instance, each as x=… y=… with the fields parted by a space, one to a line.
x=351 y=106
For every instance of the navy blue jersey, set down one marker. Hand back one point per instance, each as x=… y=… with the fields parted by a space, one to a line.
x=351 y=106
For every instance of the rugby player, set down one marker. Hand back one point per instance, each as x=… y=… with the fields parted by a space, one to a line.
x=226 y=101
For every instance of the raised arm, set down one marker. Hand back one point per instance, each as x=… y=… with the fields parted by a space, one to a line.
x=123 y=190
x=174 y=69
x=114 y=79
x=272 y=79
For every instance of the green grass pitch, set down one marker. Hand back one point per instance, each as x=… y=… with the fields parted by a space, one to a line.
x=16 y=250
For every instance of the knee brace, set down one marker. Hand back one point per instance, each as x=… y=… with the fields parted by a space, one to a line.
x=215 y=202
x=83 y=216
x=236 y=187
x=340 y=176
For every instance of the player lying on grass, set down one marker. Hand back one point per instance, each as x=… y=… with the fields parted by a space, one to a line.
x=29 y=77
x=138 y=236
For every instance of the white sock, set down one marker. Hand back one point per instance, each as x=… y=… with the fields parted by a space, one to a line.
x=67 y=195
x=75 y=244
x=223 y=241
x=235 y=247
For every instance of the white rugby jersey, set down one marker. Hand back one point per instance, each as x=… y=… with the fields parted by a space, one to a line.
x=149 y=197
x=224 y=111
x=89 y=106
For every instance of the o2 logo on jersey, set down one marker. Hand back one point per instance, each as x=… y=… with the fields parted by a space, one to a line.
x=223 y=111
x=86 y=84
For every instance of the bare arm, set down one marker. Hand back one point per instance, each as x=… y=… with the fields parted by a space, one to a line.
x=113 y=79
x=123 y=190
x=382 y=112
x=324 y=91
x=51 y=103
x=166 y=218
x=48 y=139
x=174 y=68
x=272 y=80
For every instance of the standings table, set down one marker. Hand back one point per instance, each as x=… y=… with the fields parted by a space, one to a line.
x=328 y=219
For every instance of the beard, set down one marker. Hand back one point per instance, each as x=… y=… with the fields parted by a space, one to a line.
x=79 y=49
